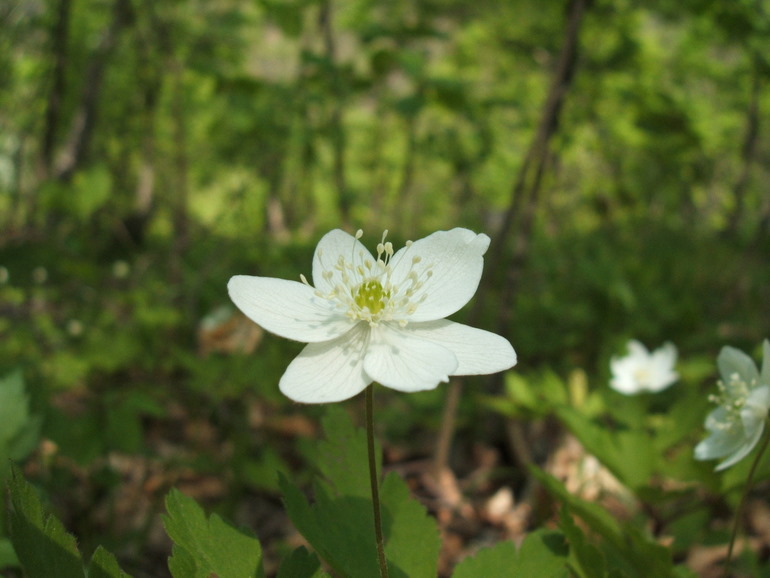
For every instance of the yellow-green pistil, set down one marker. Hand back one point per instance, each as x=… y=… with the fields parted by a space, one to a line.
x=371 y=295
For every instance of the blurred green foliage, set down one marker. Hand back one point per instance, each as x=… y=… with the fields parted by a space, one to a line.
x=149 y=151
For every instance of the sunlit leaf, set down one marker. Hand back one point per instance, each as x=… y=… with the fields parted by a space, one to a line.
x=205 y=546
x=43 y=546
x=340 y=523
x=543 y=553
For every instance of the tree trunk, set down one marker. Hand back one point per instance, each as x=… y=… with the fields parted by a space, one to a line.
x=749 y=149
x=521 y=210
x=60 y=52
x=78 y=141
x=336 y=125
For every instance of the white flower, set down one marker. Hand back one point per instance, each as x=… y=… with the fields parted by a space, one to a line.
x=641 y=370
x=744 y=399
x=377 y=319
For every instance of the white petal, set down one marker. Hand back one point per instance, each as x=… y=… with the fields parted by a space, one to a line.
x=745 y=449
x=397 y=359
x=287 y=308
x=329 y=371
x=330 y=248
x=637 y=351
x=478 y=352
x=759 y=401
x=732 y=360
x=456 y=260
x=719 y=445
x=624 y=382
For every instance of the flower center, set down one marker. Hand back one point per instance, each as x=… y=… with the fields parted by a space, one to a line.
x=642 y=375
x=371 y=295
x=732 y=397
x=366 y=290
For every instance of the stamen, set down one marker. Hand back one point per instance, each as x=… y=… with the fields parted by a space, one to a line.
x=364 y=288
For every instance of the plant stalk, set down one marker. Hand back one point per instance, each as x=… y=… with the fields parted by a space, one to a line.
x=742 y=504
x=375 y=482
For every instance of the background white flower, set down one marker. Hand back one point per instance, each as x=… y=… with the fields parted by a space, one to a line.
x=641 y=370
x=377 y=319
x=744 y=399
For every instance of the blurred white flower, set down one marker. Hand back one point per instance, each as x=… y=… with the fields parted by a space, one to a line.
x=377 y=319
x=737 y=424
x=641 y=370
x=4 y=275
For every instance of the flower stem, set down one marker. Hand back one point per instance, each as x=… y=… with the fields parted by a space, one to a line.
x=375 y=482
x=742 y=504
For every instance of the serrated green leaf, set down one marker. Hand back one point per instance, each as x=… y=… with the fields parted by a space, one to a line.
x=301 y=562
x=412 y=541
x=625 y=547
x=7 y=554
x=340 y=528
x=14 y=406
x=493 y=562
x=343 y=456
x=340 y=523
x=543 y=554
x=208 y=546
x=612 y=448
x=585 y=559
x=44 y=548
x=181 y=562
x=104 y=565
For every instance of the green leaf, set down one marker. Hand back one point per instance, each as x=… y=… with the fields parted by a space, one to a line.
x=7 y=554
x=301 y=562
x=493 y=562
x=104 y=565
x=203 y=547
x=15 y=426
x=412 y=542
x=612 y=447
x=340 y=524
x=44 y=548
x=343 y=457
x=543 y=553
x=626 y=548
x=585 y=559
x=340 y=528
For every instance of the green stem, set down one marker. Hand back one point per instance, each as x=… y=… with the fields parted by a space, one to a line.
x=375 y=482
x=742 y=504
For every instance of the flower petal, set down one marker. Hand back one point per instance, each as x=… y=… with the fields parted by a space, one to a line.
x=398 y=359
x=330 y=248
x=287 y=308
x=732 y=360
x=455 y=259
x=637 y=351
x=329 y=371
x=743 y=450
x=719 y=445
x=478 y=352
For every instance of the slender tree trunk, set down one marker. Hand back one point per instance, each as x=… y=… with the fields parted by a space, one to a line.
x=60 y=52
x=522 y=212
x=78 y=141
x=336 y=121
x=749 y=149
x=179 y=202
